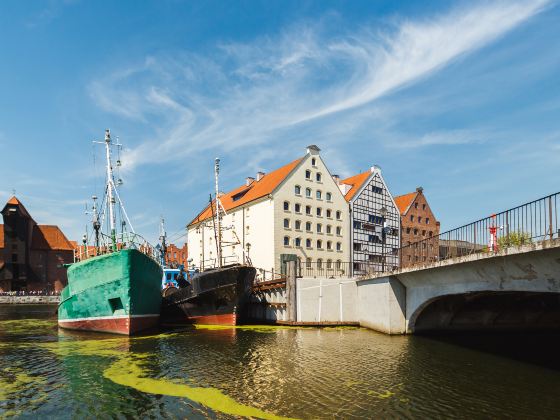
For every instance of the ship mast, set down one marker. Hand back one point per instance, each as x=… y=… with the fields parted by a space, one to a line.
x=218 y=205
x=162 y=238
x=96 y=224
x=110 y=186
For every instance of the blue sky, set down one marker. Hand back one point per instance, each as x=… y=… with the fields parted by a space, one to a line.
x=461 y=98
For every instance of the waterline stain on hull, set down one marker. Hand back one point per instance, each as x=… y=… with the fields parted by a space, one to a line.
x=114 y=293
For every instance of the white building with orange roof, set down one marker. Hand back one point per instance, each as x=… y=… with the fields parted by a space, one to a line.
x=374 y=238
x=296 y=212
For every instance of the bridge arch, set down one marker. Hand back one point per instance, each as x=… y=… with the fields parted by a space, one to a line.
x=488 y=310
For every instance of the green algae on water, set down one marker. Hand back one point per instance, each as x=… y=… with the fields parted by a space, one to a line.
x=129 y=372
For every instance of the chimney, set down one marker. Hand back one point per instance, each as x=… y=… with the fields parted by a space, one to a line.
x=249 y=180
x=336 y=179
x=375 y=168
x=313 y=150
x=260 y=175
x=419 y=189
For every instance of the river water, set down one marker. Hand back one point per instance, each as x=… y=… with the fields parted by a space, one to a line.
x=270 y=372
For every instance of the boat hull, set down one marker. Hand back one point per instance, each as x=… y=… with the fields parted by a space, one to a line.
x=215 y=297
x=114 y=293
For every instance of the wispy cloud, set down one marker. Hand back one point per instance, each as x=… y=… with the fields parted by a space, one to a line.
x=304 y=85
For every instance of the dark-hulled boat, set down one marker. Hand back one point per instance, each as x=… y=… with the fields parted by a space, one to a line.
x=216 y=296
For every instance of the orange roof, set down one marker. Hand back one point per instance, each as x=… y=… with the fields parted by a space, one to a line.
x=404 y=201
x=356 y=182
x=13 y=200
x=1 y=236
x=50 y=237
x=245 y=194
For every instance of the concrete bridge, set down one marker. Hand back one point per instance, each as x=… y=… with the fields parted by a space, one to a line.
x=517 y=288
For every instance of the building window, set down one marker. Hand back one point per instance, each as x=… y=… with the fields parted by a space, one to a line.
x=423 y=207
x=329 y=196
x=308 y=243
x=319 y=228
x=338 y=215
x=286 y=206
x=411 y=218
x=338 y=246
x=423 y=233
x=415 y=231
x=329 y=228
x=430 y=233
x=313 y=161
x=329 y=245
x=338 y=230
x=298 y=224
x=308 y=192
x=319 y=263
x=319 y=211
x=415 y=205
x=376 y=189
x=287 y=223
x=357 y=224
x=308 y=262
x=297 y=190
x=297 y=208
x=319 y=244
x=318 y=194
x=307 y=174
x=298 y=242
x=318 y=177
x=308 y=226
x=329 y=213
x=427 y=220
x=307 y=209
x=407 y=230
x=419 y=219
x=286 y=240
x=374 y=238
x=329 y=263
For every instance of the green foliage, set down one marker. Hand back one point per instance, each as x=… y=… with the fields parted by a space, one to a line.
x=514 y=239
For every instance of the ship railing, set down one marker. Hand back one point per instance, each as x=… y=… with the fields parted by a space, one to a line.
x=213 y=262
x=126 y=240
x=263 y=276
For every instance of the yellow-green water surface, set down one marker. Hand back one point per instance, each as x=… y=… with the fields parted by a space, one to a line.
x=269 y=373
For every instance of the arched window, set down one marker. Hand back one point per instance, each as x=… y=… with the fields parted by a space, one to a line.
x=286 y=240
x=319 y=263
x=298 y=242
x=318 y=194
x=329 y=229
x=286 y=206
x=287 y=223
x=319 y=211
x=338 y=246
x=319 y=244
x=319 y=228
x=329 y=196
x=329 y=245
x=338 y=264
x=329 y=263
x=318 y=176
x=313 y=161
x=338 y=215
x=297 y=190
x=308 y=226
x=329 y=213
x=307 y=174
x=308 y=262
x=308 y=192
x=298 y=224
x=307 y=209
x=338 y=230
x=308 y=243
x=297 y=208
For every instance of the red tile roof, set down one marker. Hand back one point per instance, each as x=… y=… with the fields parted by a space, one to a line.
x=356 y=182
x=50 y=237
x=245 y=194
x=404 y=201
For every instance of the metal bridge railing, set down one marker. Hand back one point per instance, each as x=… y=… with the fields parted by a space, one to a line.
x=528 y=223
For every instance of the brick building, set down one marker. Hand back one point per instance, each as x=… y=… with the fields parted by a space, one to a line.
x=31 y=255
x=417 y=223
x=176 y=256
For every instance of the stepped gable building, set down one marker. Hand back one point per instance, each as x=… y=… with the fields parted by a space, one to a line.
x=296 y=212
x=418 y=222
x=31 y=255
x=176 y=256
x=374 y=238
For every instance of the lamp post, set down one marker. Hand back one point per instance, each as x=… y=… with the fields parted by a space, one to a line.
x=383 y=211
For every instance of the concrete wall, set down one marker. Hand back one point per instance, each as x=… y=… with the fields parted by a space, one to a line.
x=30 y=299
x=326 y=300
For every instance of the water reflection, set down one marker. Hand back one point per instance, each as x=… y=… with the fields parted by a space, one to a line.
x=268 y=372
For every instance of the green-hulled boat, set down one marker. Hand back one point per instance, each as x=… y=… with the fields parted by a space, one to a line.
x=115 y=286
x=119 y=292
